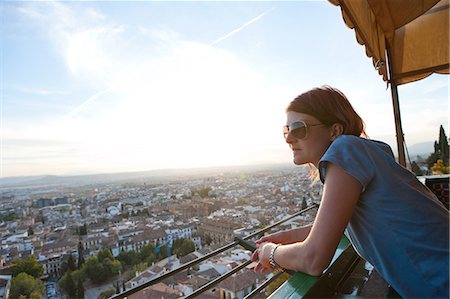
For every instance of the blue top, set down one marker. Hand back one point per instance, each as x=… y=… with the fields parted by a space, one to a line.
x=398 y=224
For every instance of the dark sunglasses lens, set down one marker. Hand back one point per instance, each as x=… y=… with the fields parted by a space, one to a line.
x=299 y=133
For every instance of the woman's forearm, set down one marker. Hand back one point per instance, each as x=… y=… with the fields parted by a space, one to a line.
x=298 y=234
x=299 y=257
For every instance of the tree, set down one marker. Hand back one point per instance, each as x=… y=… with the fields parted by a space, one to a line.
x=103 y=254
x=24 y=285
x=441 y=150
x=80 y=289
x=28 y=265
x=416 y=169
x=94 y=270
x=100 y=271
x=9 y=217
x=82 y=230
x=207 y=239
x=106 y=294
x=41 y=215
x=443 y=146
x=80 y=255
x=35 y=295
x=140 y=267
x=439 y=167
x=66 y=282
x=30 y=231
x=304 y=205
x=71 y=263
x=182 y=247
x=78 y=275
x=147 y=254
x=117 y=286
x=129 y=258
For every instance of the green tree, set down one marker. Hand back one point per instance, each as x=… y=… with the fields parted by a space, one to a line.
x=106 y=294
x=78 y=275
x=9 y=217
x=94 y=270
x=416 y=169
x=443 y=146
x=80 y=289
x=80 y=255
x=207 y=239
x=100 y=271
x=35 y=295
x=68 y=284
x=432 y=158
x=30 y=231
x=28 y=265
x=441 y=150
x=129 y=258
x=82 y=230
x=304 y=205
x=103 y=254
x=41 y=215
x=71 y=263
x=182 y=247
x=24 y=285
x=140 y=267
x=147 y=254
x=117 y=286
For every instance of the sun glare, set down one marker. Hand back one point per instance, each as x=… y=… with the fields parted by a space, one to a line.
x=195 y=106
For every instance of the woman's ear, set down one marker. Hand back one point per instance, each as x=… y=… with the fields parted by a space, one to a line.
x=336 y=130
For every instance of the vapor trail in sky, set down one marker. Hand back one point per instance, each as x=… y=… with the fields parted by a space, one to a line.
x=79 y=107
x=241 y=27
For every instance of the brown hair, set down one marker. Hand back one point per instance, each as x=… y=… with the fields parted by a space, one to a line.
x=329 y=105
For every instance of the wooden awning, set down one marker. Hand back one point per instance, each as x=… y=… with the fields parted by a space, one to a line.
x=416 y=33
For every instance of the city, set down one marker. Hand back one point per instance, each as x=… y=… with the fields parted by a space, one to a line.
x=58 y=223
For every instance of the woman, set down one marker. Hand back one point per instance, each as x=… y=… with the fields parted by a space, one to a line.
x=392 y=220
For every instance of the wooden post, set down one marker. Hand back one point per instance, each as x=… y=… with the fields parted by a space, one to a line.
x=397 y=118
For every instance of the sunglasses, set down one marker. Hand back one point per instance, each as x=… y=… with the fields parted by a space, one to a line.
x=298 y=129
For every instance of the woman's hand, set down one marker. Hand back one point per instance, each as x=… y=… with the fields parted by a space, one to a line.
x=287 y=236
x=262 y=255
x=280 y=237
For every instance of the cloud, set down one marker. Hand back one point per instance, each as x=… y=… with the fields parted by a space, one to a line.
x=40 y=91
x=161 y=100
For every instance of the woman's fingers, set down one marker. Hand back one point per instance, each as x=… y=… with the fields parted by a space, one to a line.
x=260 y=268
x=262 y=240
x=254 y=256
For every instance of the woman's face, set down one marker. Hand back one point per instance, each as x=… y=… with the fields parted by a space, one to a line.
x=313 y=146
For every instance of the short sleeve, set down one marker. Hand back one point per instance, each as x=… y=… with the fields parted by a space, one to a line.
x=352 y=155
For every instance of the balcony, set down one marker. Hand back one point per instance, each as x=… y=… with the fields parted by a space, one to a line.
x=347 y=275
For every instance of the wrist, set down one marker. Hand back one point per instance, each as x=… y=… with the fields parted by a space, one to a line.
x=272 y=262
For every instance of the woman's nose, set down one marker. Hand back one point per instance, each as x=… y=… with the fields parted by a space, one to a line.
x=290 y=140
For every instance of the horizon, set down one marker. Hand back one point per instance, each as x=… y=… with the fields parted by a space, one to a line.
x=103 y=87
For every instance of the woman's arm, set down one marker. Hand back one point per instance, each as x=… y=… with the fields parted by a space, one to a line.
x=289 y=236
x=312 y=256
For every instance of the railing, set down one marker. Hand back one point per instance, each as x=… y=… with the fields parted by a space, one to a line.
x=213 y=253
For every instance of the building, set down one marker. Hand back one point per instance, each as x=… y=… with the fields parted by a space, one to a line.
x=220 y=231
x=5 y=285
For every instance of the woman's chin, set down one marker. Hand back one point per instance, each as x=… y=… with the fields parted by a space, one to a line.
x=298 y=162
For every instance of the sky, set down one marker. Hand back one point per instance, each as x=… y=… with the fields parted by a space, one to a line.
x=112 y=86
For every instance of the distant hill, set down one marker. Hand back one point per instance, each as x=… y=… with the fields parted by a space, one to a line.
x=158 y=175
x=423 y=149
